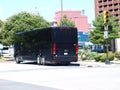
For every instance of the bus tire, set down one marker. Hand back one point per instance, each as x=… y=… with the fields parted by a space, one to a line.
x=43 y=60
x=17 y=59
x=38 y=60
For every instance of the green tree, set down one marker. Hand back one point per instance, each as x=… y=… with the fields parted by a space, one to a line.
x=1 y=23
x=96 y=36
x=21 y=22
x=66 y=22
x=1 y=27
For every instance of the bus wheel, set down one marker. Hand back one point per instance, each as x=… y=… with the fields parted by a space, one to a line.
x=17 y=60
x=38 y=60
x=43 y=60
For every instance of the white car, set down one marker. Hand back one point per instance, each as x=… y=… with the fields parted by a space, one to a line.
x=8 y=52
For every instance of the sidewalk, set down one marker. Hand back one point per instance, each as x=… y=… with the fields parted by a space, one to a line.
x=82 y=63
x=92 y=63
x=7 y=59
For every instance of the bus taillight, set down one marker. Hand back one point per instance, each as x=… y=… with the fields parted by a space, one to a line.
x=54 y=48
x=76 y=48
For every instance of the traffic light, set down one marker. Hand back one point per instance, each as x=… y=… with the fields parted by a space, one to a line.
x=106 y=17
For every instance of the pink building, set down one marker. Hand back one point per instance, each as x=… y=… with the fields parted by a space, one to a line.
x=81 y=21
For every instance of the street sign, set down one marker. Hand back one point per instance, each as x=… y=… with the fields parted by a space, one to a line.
x=109 y=28
x=105 y=34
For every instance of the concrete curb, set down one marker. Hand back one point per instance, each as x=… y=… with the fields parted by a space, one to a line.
x=89 y=63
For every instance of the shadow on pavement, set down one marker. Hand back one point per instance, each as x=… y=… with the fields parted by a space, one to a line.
x=71 y=64
x=11 y=85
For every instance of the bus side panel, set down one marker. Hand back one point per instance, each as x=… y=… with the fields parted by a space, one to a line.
x=29 y=45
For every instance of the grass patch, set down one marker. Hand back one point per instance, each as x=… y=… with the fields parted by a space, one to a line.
x=2 y=58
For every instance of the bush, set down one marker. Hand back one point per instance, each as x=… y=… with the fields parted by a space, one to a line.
x=2 y=58
x=82 y=55
x=87 y=55
x=91 y=55
x=117 y=55
x=110 y=57
x=98 y=57
x=103 y=57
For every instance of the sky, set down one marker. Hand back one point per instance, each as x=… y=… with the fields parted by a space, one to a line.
x=46 y=8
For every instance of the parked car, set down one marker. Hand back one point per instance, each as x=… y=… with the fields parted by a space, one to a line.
x=7 y=51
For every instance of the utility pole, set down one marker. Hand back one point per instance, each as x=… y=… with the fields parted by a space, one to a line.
x=62 y=12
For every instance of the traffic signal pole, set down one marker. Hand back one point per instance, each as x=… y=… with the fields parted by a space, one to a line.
x=106 y=35
x=107 y=59
x=106 y=39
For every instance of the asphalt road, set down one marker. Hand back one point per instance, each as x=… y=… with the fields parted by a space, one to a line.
x=12 y=85
x=72 y=77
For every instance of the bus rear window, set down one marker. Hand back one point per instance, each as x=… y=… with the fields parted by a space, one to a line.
x=66 y=35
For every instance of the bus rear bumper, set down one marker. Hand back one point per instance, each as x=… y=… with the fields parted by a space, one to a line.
x=65 y=59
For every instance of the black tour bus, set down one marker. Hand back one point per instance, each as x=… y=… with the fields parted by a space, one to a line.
x=57 y=45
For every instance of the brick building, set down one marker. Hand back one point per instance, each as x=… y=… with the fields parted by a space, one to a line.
x=81 y=21
x=113 y=6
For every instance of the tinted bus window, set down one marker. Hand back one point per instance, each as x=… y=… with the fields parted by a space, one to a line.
x=66 y=35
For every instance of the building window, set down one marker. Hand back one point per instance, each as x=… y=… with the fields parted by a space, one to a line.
x=105 y=5
x=100 y=1
x=116 y=15
x=100 y=6
x=110 y=5
x=111 y=10
x=116 y=4
x=105 y=0
x=100 y=11
x=115 y=9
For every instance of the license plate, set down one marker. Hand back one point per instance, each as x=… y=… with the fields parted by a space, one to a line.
x=65 y=53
